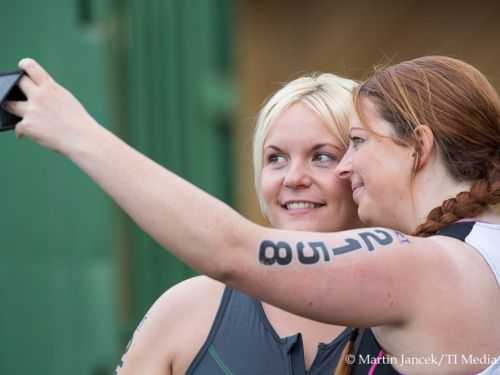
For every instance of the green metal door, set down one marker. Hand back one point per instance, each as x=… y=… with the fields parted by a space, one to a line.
x=179 y=102
x=57 y=283
x=76 y=275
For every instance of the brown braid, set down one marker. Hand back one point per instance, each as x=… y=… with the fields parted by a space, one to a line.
x=483 y=193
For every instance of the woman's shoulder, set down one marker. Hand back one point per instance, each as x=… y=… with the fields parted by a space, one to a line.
x=193 y=291
x=177 y=324
x=194 y=298
x=466 y=269
x=471 y=248
x=469 y=240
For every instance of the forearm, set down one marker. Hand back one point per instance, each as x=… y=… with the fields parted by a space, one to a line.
x=194 y=226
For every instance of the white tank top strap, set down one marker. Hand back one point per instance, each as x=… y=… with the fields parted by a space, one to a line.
x=485 y=237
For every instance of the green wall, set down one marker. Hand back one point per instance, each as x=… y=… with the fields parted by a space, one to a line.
x=76 y=275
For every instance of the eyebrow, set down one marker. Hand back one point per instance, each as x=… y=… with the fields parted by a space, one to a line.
x=358 y=128
x=314 y=148
x=276 y=148
x=320 y=145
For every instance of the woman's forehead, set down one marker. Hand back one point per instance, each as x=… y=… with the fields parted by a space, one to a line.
x=303 y=140
x=300 y=124
x=369 y=119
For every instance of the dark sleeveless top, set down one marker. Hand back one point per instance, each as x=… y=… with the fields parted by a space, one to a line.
x=243 y=342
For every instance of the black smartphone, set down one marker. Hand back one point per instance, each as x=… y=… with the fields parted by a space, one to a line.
x=9 y=90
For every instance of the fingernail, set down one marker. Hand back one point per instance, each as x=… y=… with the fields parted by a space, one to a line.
x=23 y=62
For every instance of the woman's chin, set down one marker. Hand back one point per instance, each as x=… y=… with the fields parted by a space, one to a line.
x=310 y=226
x=366 y=216
x=300 y=226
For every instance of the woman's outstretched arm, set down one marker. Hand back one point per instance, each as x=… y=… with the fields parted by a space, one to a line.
x=155 y=198
x=328 y=277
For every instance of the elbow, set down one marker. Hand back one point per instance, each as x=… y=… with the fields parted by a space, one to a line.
x=227 y=267
x=221 y=268
x=225 y=275
x=233 y=273
x=237 y=259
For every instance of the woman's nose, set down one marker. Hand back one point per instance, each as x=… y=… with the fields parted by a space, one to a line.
x=298 y=176
x=344 y=168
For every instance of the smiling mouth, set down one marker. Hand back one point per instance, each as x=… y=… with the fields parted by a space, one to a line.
x=298 y=205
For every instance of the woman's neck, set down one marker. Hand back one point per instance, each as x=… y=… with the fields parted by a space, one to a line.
x=431 y=190
x=490 y=215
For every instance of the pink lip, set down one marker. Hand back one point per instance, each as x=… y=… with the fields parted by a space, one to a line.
x=356 y=186
x=355 y=192
x=300 y=211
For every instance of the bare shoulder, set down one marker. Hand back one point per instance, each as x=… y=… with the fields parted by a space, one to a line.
x=453 y=278
x=439 y=258
x=455 y=289
x=471 y=267
x=174 y=328
x=415 y=275
x=189 y=294
x=446 y=284
x=443 y=266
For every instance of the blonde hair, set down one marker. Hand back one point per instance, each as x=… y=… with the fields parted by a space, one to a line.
x=328 y=95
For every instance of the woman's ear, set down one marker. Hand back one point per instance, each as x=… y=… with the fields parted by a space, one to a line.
x=425 y=146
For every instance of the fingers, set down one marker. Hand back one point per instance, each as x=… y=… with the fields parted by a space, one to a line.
x=26 y=85
x=35 y=71
x=18 y=108
x=19 y=130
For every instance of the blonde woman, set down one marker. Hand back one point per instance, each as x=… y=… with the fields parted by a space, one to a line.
x=201 y=327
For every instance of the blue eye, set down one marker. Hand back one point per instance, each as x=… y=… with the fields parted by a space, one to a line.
x=356 y=141
x=324 y=157
x=275 y=159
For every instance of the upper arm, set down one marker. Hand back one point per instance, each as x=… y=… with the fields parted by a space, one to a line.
x=145 y=352
x=364 y=277
x=173 y=330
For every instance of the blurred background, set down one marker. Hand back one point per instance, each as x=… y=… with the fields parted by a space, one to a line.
x=182 y=81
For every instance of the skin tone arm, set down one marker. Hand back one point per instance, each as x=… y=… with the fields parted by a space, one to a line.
x=173 y=330
x=327 y=277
